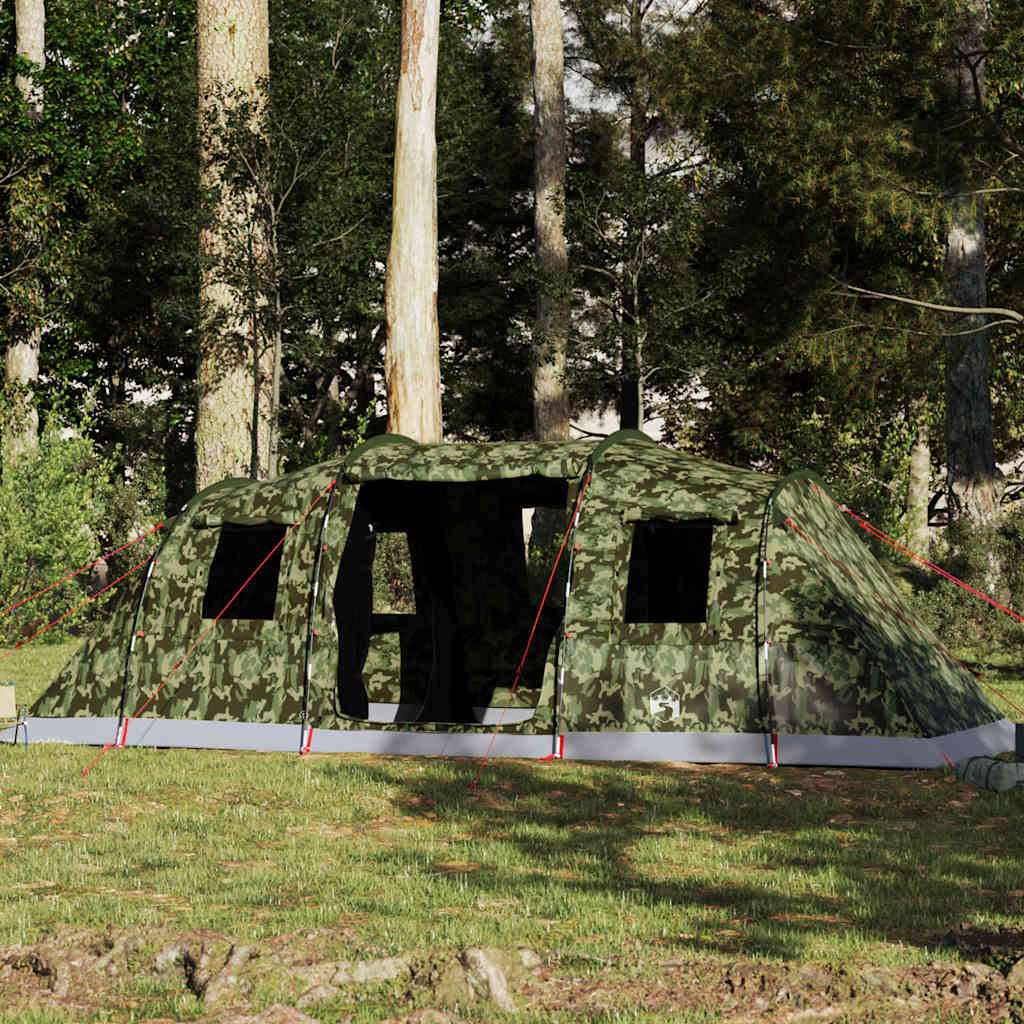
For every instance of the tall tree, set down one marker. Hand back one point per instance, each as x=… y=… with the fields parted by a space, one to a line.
x=237 y=374
x=628 y=195
x=551 y=330
x=21 y=434
x=412 y=361
x=974 y=484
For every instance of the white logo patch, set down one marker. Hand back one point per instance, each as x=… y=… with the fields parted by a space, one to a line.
x=664 y=704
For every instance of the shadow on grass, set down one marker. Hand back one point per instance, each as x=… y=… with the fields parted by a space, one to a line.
x=777 y=863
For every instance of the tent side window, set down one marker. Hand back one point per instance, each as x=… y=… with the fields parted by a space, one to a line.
x=669 y=571
x=240 y=551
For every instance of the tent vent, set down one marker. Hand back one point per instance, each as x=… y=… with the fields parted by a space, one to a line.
x=669 y=570
x=240 y=550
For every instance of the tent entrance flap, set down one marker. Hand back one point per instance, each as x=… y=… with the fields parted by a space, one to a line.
x=432 y=601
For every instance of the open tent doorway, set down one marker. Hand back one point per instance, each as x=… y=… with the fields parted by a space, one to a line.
x=432 y=602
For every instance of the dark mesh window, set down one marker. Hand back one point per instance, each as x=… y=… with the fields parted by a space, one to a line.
x=669 y=567
x=239 y=551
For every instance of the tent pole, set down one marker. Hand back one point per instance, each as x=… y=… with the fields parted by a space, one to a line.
x=761 y=641
x=311 y=631
x=134 y=636
x=556 y=744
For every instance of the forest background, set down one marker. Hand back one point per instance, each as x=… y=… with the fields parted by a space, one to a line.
x=740 y=175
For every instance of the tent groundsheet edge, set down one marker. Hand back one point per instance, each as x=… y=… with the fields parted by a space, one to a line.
x=695 y=747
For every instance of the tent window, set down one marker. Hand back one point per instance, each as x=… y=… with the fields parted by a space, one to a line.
x=240 y=550
x=393 y=588
x=669 y=569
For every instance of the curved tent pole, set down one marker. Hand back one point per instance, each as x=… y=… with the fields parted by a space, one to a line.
x=311 y=631
x=379 y=441
x=171 y=526
x=761 y=627
x=617 y=438
x=762 y=640
x=556 y=751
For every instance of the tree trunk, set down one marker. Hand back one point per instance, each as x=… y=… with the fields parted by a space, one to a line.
x=631 y=405
x=974 y=483
x=412 y=363
x=21 y=365
x=919 y=490
x=551 y=331
x=30 y=29
x=237 y=375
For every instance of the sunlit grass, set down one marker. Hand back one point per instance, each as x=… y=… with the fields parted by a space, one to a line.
x=791 y=863
x=34 y=666
x=607 y=864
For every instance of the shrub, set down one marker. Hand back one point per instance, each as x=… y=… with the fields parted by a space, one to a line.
x=59 y=509
x=990 y=559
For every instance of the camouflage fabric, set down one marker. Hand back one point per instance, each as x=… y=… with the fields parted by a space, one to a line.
x=843 y=657
x=663 y=677
x=847 y=655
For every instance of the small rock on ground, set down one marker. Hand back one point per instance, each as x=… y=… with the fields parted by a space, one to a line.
x=425 y=1017
x=276 y=1014
x=1015 y=975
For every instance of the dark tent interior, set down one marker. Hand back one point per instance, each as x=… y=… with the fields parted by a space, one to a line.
x=438 y=649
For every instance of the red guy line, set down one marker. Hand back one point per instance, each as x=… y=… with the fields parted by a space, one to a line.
x=876 y=532
x=199 y=640
x=533 y=630
x=900 y=615
x=60 y=619
x=78 y=572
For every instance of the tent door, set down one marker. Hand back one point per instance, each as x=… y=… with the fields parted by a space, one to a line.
x=433 y=605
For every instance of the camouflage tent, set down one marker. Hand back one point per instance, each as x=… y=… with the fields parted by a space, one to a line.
x=700 y=613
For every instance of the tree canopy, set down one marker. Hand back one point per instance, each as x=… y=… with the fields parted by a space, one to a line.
x=737 y=169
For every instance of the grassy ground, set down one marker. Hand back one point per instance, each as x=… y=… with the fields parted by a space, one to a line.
x=34 y=666
x=589 y=863
x=1001 y=677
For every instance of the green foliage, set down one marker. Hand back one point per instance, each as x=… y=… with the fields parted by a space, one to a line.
x=59 y=510
x=98 y=84
x=319 y=158
x=393 y=588
x=787 y=151
x=106 y=264
x=964 y=620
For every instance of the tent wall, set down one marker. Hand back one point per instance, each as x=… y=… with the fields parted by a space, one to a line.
x=848 y=657
x=656 y=677
x=658 y=655
x=473 y=517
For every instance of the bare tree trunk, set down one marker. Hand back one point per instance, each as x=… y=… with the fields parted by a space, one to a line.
x=30 y=29
x=919 y=489
x=237 y=374
x=631 y=405
x=974 y=483
x=21 y=365
x=551 y=331
x=412 y=363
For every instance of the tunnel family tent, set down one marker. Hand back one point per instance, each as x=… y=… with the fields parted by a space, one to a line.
x=700 y=613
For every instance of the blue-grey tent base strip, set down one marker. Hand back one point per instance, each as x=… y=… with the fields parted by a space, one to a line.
x=694 y=747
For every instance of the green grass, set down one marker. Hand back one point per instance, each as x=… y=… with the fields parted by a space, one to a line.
x=598 y=864
x=595 y=864
x=784 y=864
x=34 y=666
x=1001 y=677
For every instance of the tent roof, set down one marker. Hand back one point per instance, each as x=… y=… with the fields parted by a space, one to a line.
x=647 y=468
x=397 y=458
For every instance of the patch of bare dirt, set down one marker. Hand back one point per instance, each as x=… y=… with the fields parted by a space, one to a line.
x=287 y=979
x=745 y=992
x=1001 y=946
